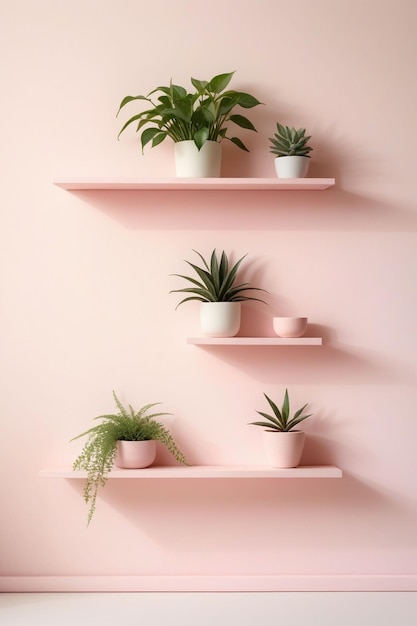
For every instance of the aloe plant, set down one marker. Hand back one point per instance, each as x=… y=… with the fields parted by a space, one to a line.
x=281 y=420
x=217 y=281
x=200 y=115
x=99 y=451
x=290 y=142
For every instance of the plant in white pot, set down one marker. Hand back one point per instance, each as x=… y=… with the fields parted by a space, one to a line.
x=282 y=444
x=196 y=121
x=291 y=150
x=220 y=296
x=125 y=439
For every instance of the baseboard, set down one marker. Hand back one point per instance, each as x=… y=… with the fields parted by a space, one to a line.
x=40 y=584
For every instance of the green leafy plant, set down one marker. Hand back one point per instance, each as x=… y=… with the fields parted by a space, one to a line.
x=99 y=452
x=217 y=281
x=281 y=420
x=290 y=142
x=200 y=115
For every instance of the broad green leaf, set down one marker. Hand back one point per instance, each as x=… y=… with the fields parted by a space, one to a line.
x=200 y=137
x=226 y=104
x=128 y=99
x=148 y=135
x=238 y=143
x=132 y=119
x=158 y=139
x=200 y=85
x=219 y=83
x=247 y=101
x=178 y=92
x=242 y=121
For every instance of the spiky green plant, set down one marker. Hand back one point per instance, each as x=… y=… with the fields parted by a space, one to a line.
x=99 y=452
x=217 y=281
x=281 y=420
x=199 y=116
x=290 y=142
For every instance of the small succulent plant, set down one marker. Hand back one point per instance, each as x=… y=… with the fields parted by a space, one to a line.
x=290 y=142
x=217 y=281
x=281 y=420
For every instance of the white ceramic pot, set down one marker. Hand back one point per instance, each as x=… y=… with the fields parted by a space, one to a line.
x=292 y=166
x=283 y=449
x=193 y=163
x=290 y=326
x=135 y=454
x=220 y=319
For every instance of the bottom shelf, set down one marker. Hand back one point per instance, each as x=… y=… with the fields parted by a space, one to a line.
x=207 y=471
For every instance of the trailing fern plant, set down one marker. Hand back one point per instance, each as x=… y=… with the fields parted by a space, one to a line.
x=290 y=142
x=99 y=452
x=216 y=281
x=280 y=420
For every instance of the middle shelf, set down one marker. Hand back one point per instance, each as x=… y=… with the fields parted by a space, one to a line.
x=207 y=471
x=255 y=341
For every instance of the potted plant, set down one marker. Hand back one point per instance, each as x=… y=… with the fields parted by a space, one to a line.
x=196 y=121
x=292 y=152
x=126 y=439
x=283 y=445
x=215 y=287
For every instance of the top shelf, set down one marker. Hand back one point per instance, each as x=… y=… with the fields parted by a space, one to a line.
x=225 y=184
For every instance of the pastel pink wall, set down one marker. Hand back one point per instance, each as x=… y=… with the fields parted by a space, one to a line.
x=83 y=274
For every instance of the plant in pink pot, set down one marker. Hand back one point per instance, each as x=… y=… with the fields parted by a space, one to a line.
x=126 y=439
x=282 y=444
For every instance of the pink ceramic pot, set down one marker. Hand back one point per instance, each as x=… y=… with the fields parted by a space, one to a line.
x=290 y=326
x=283 y=449
x=135 y=454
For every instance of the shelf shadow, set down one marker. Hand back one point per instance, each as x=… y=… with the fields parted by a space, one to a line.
x=331 y=210
x=330 y=363
x=190 y=516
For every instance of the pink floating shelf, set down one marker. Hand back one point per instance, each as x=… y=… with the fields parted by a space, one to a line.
x=254 y=341
x=225 y=184
x=207 y=471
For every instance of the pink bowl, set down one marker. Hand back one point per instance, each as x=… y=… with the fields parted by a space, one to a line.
x=290 y=326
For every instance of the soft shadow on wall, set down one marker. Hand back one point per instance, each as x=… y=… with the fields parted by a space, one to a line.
x=164 y=511
x=331 y=210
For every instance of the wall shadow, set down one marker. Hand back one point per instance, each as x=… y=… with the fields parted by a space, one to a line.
x=331 y=210
x=185 y=516
x=330 y=363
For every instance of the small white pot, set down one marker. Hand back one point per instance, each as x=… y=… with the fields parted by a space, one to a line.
x=283 y=449
x=135 y=454
x=292 y=166
x=220 y=319
x=190 y=162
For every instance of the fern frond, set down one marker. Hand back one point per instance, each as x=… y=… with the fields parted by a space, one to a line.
x=98 y=454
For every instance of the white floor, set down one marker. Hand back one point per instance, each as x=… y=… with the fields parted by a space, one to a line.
x=209 y=609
